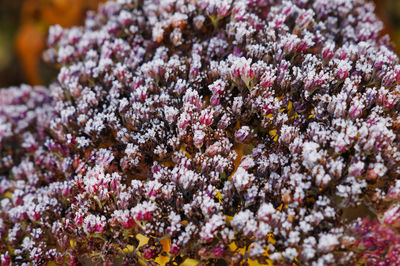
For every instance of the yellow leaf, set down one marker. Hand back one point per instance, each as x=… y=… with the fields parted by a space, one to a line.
x=190 y=262
x=256 y=263
x=312 y=114
x=229 y=218
x=142 y=239
x=219 y=196
x=166 y=243
x=271 y=239
x=273 y=134
x=128 y=249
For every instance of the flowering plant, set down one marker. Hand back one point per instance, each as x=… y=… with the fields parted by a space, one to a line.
x=243 y=131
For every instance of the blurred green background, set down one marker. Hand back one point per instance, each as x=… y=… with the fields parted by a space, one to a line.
x=24 y=25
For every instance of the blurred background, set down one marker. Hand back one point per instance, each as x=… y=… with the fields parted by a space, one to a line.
x=23 y=28
x=24 y=25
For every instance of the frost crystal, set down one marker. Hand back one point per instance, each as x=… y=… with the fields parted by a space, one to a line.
x=238 y=130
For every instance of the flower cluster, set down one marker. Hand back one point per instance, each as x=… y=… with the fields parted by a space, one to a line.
x=373 y=243
x=208 y=130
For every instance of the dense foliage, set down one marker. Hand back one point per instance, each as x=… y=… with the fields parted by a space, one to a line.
x=238 y=130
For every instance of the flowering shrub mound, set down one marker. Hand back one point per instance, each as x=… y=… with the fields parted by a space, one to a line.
x=239 y=130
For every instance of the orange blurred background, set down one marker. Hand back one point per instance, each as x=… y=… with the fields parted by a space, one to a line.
x=23 y=29
x=24 y=25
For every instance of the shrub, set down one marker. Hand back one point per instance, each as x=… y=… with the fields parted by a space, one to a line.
x=236 y=130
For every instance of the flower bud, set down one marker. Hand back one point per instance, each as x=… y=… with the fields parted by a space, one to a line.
x=198 y=138
x=242 y=134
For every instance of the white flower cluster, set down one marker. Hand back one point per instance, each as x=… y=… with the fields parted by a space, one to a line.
x=248 y=125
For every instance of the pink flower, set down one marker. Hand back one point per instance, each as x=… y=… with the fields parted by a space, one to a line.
x=218 y=87
x=241 y=68
x=174 y=249
x=94 y=224
x=149 y=253
x=356 y=108
x=215 y=100
x=78 y=219
x=268 y=79
x=34 y=215
x=219 y=252
x=128 y=223
x=328 y=51
x=392 y=216
x=206 y=118
x=198 y=138
x=343 y=69
x=243 y=134
x=5 y=259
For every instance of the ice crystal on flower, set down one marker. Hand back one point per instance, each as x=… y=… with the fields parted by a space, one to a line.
x=236 y=130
